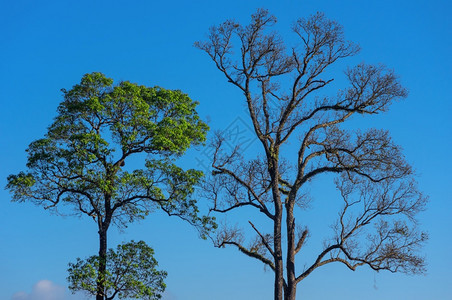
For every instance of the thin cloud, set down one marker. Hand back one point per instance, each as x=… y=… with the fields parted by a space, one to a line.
x=46 y=290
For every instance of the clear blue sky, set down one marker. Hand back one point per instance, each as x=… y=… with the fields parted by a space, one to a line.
x=49 y=45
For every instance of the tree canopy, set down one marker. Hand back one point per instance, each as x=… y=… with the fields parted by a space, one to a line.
x=99 y=126
x=81 y=163
x=130 y=273
x=284 y=90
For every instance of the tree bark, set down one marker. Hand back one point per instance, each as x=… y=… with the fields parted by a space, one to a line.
x=279 y=265
x=102 y=264
x=291 y=289
x=279 y=272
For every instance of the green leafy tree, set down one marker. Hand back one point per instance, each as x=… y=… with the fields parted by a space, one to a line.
x=80 y=163
x=130 y=273
x=284 y=91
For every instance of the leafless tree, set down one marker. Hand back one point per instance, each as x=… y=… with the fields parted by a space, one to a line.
x=376 y=226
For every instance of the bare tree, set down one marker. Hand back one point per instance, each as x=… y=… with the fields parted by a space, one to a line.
x=376 y=226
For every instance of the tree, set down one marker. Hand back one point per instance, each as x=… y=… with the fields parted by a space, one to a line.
x=81 y=161
x=130 y=273
x=283 y=89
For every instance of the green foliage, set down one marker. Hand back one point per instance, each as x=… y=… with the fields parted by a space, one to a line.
x=80 y=162
x=139 y=118
x=131 y=273
x=99 y=126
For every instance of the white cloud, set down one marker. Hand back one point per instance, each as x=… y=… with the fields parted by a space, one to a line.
x=20 y=296
x=45 y=290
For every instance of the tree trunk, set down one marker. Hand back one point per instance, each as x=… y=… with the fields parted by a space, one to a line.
x=103 y=228
x=279 y=271
x=291 y=289
x=102 y=264
x=279 y=265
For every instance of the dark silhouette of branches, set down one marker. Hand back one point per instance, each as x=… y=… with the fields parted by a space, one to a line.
x=281 y=86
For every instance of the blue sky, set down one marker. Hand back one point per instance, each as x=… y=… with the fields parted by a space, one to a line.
x=49 y=45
